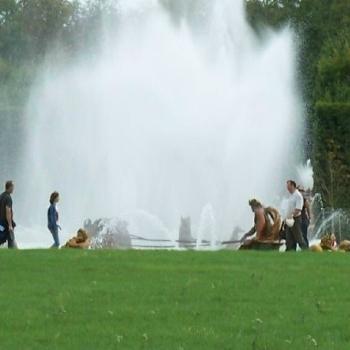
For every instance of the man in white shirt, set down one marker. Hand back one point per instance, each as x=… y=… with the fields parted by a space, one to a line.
x=294 y=234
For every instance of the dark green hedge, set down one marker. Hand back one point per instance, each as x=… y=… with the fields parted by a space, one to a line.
x=332 y=152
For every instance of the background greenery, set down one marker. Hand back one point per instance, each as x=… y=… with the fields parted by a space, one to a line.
x=323 y=32
x=29 y=29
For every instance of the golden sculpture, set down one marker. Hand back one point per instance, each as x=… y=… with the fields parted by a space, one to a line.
x=328 y=243
x=81 y=240
x=267 y=227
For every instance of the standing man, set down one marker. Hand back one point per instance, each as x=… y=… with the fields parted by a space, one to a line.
x=305 y=216
x=7 y=224
x=293 y=233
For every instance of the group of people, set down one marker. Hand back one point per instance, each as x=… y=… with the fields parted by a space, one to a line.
x=268 y=226
x=7 y=223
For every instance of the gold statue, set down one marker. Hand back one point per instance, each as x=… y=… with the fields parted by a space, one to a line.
x=81 y=241
x=267 y=227
x=329 y=244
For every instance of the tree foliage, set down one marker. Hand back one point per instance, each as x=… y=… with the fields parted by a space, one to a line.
x=29 y=29
x=323 y=29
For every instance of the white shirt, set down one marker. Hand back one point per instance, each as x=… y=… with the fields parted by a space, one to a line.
x=296 y=201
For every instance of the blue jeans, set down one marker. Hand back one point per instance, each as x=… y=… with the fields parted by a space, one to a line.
x=54 y=232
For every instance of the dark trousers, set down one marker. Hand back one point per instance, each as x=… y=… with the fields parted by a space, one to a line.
x=304 y=228
x=9 y=237
x=294 y=236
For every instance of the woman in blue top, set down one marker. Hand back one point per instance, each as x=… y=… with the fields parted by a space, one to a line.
x=52 y=219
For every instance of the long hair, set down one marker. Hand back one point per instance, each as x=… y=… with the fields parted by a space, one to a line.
x=53 y=197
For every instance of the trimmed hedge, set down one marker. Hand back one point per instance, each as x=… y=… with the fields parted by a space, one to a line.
x=332 y=152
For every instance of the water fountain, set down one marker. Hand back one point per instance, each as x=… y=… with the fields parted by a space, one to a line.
x=166 y=117
x=324 y=220
x=207 y=226
x=330 y=220
x=305 y=175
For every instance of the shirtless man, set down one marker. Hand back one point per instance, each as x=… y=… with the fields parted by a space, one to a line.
x=260 y=223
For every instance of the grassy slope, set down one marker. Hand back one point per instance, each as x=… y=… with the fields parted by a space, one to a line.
x=173 y=300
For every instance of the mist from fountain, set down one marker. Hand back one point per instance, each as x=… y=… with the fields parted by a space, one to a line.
x=328 y=220
x=168 y=116
x=305 y=174
x=207 y=226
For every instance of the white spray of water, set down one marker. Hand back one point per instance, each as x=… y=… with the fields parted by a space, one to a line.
x=167 y=118
x=148 y=226
x=306 y=175
x=207 y=226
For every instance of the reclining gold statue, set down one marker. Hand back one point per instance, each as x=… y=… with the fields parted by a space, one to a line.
x=329 y=244
x=267 y=227
x=344 y=246
x=80 y=241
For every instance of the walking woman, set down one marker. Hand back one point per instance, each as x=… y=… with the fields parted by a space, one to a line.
x=52 y=219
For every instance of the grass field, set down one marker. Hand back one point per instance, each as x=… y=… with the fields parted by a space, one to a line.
x=174 y=300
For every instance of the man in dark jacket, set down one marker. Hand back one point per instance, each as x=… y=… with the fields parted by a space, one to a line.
x=7 y=224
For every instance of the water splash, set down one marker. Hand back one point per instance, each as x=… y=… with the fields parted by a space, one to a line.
x=207 y=226
x=330 y=220
x=148 y=225
x=306 y=176
x=166 y=118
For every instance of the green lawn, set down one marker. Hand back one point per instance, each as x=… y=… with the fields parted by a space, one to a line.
x=174 y=300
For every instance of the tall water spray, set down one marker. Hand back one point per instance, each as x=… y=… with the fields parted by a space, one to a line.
x=167 y=117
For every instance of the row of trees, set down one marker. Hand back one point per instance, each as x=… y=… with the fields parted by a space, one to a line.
x=31 y=28
x=323 y=30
